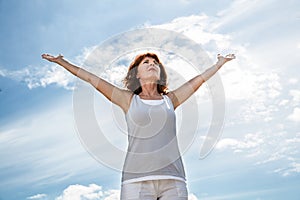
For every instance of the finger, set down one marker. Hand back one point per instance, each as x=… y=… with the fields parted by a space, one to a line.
x=230 y=56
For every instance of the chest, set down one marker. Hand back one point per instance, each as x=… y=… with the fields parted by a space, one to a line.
x=142 y=115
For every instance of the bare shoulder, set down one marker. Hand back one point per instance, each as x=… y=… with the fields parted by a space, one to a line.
x=128 y=95
x=124 y=99
x=173 y=98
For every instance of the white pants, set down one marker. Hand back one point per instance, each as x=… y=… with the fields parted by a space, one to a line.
x=166 y=189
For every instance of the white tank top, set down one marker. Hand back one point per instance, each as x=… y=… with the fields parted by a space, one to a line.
x=152 y=142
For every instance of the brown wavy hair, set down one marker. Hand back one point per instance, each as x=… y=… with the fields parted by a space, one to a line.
x=132 y=83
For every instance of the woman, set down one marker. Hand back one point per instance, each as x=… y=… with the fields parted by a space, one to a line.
x=153 y=167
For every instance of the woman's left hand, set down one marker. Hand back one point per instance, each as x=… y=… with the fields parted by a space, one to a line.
x=222 y=60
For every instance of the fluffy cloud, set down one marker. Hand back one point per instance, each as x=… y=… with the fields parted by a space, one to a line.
x=244 y=80
x=79 y=192
x=195 y=27
x=36 y=144
x=94 y=192
x=90 y=192
x=295 y=116
x=293 y=81
x=249 y=142
x=264 y=148
x=37 y=196
x=41 y=76
x=253 y=93
x=295 y=96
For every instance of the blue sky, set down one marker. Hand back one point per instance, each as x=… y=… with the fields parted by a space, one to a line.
x=257 y=156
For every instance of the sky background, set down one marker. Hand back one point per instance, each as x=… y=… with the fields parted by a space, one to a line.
x=258 y=154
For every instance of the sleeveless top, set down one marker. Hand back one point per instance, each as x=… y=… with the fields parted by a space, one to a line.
x=152 y=142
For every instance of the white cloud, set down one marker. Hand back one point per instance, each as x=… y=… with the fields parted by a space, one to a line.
x=283 y=102
x=198 y=28
x=239 y=9
x=272 y=49
x=244 y=79
x=250 y=141
x=37 y=196
x=264 y=148
x=192 y=197
x=247 y=194
x=112 y=195
x=295 y=116
x=241 y=78
x=252 y=89
x=247 y=86
x=94 y=192
x=41 y=76
x=293 y=81
x=227 y=143
x=295 y=96
x=250 y=85
x=295 y=167
x=80 y=192
x=2 y=73
x=42 y=141
x=84 y=55
x=185 y=1
x=292 y=168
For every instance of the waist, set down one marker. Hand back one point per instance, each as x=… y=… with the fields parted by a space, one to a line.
x=153 y=177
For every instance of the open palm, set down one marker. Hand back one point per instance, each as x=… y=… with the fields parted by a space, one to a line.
x=52 y=58
x=222 y=60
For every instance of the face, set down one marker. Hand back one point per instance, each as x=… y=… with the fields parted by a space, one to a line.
x=148 y=70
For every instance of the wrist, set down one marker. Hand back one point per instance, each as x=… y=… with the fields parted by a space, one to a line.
x=59 y=61
x=219 y=64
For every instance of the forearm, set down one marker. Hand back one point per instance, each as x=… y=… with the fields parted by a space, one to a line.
x=197 y=81
x=207 y=74
x=182 y=93
x=118 y=96
x=77 y=71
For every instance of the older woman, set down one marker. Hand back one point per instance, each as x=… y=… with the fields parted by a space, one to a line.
x=153 y=167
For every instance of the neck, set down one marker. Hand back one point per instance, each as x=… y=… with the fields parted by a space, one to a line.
x=149 y=90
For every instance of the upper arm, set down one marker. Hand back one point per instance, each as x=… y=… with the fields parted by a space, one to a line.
x=181 y=94
x=116 y=95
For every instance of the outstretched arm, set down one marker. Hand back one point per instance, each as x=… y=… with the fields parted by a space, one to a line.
x=182 y=93
x=116 y=95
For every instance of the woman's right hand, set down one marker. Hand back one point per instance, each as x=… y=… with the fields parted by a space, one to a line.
x=52 y=58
